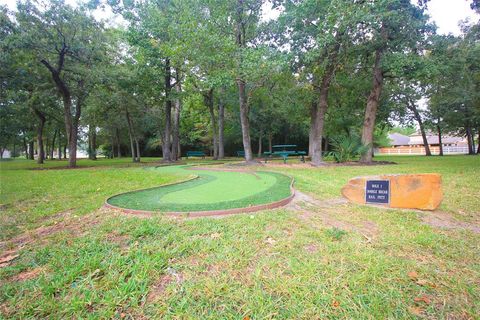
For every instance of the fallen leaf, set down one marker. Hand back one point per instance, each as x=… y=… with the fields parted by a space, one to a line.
x=246 y=318
x=335 y=304
x=413 y=275
x=424 y=298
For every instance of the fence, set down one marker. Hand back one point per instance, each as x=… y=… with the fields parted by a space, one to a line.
x=421 y=150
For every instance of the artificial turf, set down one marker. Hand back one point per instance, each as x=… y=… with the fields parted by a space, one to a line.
x=212 y=190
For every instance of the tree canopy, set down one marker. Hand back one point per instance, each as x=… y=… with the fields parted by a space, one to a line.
x=217 y=76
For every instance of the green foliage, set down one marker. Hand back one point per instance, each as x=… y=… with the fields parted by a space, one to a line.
x=347 y=148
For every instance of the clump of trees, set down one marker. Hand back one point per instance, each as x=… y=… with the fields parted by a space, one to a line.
x=215 y=75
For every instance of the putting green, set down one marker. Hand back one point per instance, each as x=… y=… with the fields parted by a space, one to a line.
x=210 y=190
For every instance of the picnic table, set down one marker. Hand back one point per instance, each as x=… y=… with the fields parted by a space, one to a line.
x=196 y=154
x=284 y=151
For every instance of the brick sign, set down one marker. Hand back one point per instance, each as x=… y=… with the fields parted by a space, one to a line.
x=377 y=191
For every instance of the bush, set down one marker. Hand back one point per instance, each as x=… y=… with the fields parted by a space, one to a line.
x=347 y=148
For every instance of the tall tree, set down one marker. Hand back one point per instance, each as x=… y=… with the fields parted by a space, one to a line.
x=68 y=42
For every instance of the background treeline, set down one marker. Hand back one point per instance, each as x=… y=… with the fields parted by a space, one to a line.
x=215 y=75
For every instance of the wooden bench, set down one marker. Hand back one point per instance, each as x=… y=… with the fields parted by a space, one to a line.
x=241 y=153
x=284 y=151
x=196 y=154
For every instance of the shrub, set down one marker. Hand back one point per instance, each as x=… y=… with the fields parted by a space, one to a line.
x=347 y=148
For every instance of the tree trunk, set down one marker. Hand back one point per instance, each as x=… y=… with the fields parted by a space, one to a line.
x=372 y=106
x=244 y=120
x=311 y=134
x=471 y=145
x=221 y=120
x=117 y=139
x=168 y=114
x=418 y=117
x=41 y=125
x=270 y=139
x=59 y=155
x=240 y=40
x=92 y=142
x=131 y=135
x=47 y=147
x=65 y=151
x=208 y=100
x=137 y=146
x=478 y=149
x=25 y=146
x=52 y=147
x=260 y=144
x=31 y=150
x=440 y=144
x=321 y=110
x=177 y=107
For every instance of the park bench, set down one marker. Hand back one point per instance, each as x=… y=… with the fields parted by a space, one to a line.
x=196 y=154
x=284 y=151
x=241 y=153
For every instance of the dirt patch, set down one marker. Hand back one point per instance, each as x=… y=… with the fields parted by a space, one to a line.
x=309 y=208
x=27 y=275
x=445 y=220
x=158 y=288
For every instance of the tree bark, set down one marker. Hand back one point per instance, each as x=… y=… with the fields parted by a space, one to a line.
x=412 y=107
x=137 y=146
x=471 y=145
x=131 y=135
x=440 y=144
x=245 y=121
x=92 y=142
x=117 y=139
x=372 y=106
x=31 y=155
x=270 y=139
x=25 y=146
x=177 y=108
x=209 y=102
x=166 y=150
x=240 y=40
x=59 y=155
x=260 y=137
x=311 y=134
x=478 y=149
x=52 y=147
x=71 y=116
x=221 y=121
x=40 y=126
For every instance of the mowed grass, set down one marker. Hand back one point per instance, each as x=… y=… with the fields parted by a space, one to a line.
x=210 y=190
x=279 y=264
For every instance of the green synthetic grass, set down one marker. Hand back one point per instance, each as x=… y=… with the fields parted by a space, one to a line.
x=212 y=190
x=277 y=264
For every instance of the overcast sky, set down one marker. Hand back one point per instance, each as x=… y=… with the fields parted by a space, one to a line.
x=445 y=13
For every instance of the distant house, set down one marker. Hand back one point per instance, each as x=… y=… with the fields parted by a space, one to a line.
x=404 y=145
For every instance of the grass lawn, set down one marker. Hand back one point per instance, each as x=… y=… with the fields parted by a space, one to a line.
x=331 y=260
